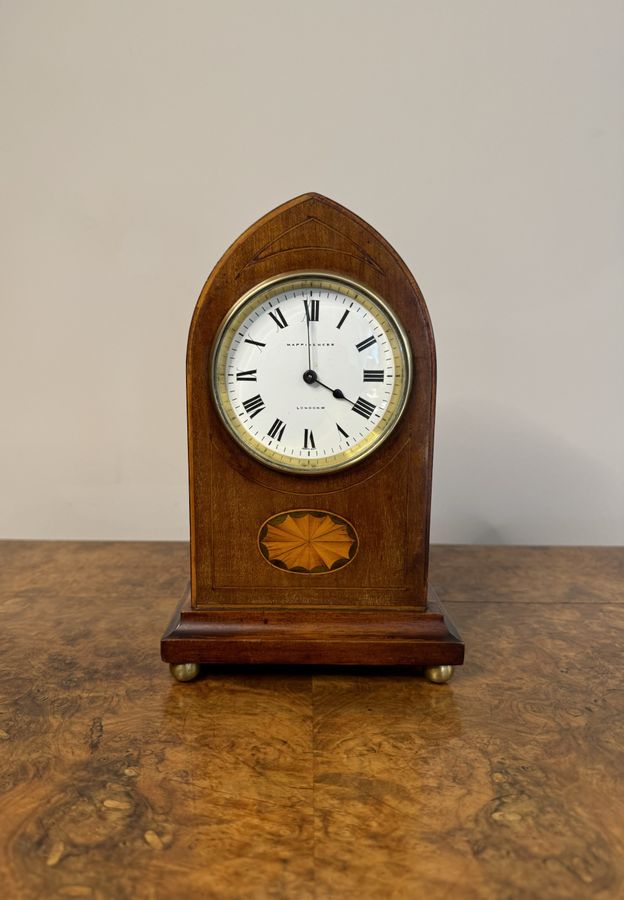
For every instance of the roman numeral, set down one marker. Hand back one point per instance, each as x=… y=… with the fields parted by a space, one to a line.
x=344 y=316
x=312 y=310
x=367 y=342
x=255 y=343
x=253 y=406
x=278 y=317
x=308 y=440
x=251 y=375
x=277 y=429
x=341 y=430
x=363 y=408
x=373 y=375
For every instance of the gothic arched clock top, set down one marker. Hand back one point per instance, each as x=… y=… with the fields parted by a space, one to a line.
x=295 y=236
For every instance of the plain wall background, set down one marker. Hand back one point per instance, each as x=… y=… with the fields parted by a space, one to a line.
x=483 y=139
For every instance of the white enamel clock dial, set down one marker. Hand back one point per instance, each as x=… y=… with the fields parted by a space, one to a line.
x=310 y=372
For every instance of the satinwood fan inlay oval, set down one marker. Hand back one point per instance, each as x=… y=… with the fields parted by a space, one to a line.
x=308 y=541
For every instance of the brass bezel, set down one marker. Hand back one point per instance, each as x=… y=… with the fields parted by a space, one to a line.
x=349 y=457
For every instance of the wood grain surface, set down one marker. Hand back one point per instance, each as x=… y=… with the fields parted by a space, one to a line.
x=116 y=782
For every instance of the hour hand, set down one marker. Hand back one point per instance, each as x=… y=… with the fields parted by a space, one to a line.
x=310 y=377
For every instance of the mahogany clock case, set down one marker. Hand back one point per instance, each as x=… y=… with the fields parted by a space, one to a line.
x=378 y=608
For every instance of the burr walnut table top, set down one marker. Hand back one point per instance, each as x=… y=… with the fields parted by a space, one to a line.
x=116 y=781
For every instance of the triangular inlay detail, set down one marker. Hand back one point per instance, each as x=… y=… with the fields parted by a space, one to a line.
x=305 y=236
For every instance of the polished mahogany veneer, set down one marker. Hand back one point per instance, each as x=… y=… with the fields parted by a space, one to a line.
x=378 y=608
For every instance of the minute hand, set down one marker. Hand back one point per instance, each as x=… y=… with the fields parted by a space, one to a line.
x=307 y=312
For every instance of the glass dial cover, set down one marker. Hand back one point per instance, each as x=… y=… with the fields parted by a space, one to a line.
x=310 y=372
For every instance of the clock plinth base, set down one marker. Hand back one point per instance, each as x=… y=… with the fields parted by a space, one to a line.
x=366 y=637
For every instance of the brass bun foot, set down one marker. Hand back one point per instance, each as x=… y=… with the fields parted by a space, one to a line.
x=439 y=674
x=184 y=671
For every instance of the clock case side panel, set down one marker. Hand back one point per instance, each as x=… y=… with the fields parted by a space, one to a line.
x=310 y=233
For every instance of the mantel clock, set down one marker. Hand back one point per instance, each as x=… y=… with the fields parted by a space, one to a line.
x=311 y=394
